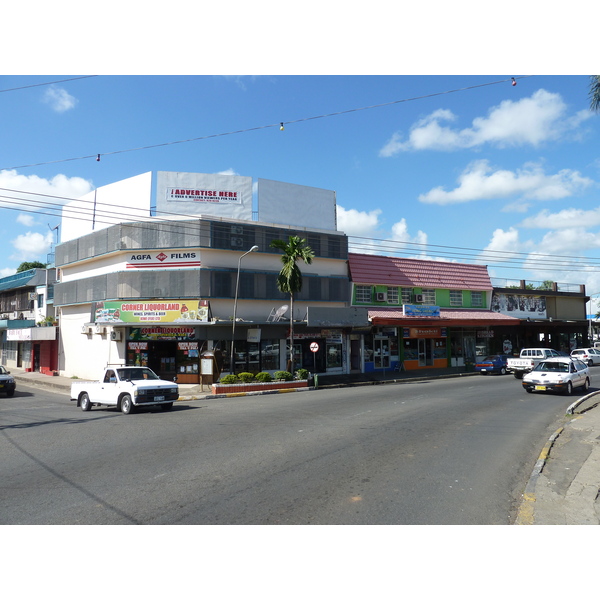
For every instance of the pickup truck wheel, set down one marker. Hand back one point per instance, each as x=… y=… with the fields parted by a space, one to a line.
x=84 y=402
x=518 y=375
x=167 y=406
x=126 y=404
x=569 y=389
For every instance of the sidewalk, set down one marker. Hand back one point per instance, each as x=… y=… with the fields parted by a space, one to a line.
x=564 y=487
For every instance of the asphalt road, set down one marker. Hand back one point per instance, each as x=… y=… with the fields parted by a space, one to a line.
x=450 y=451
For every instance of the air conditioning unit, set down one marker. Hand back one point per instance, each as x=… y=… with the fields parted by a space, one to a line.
x=85 y=329
x=99 y=329
x=381 y=296
x=419 y=298
x=115 y=336
x=237 y=242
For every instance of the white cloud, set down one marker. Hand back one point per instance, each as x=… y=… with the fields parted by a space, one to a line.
x=358 y=223
x=366 y=225
x=504 y=241
x=25 y=219
x=567 y=218
x=529 y=121
x=400 y=234
x=516 y=207
x=21 y=191
x=479 y=182
x=31 y=246
x=6 y=272
x=59 y=99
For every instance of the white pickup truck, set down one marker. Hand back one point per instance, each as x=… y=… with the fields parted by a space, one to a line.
x=528 y=359
x=125 y=388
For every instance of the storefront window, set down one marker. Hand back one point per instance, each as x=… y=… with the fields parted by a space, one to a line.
x=270 y=355
x=334 y=356
x=368 y=344
x=187 y=358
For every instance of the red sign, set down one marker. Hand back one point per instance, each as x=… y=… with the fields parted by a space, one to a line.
x=314 y=347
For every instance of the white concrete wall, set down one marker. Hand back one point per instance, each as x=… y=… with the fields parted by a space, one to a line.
x=126 y=200
x=87 y=355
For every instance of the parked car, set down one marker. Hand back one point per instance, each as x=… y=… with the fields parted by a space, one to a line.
x=528 y=359
x=591 y=356
x=495 y=363
x=7 y=382
x=557 y=375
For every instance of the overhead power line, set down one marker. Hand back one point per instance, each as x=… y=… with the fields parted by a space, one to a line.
x=105 y=214
x=24 y=87
x=97 y=155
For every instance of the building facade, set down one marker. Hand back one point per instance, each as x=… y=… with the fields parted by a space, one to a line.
x=164 y=293
x=424 y=313
x=28 y=326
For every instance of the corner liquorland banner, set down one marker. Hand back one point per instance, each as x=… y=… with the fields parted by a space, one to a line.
x=152 y=311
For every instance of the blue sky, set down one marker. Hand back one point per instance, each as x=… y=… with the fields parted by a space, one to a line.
x=456 y=167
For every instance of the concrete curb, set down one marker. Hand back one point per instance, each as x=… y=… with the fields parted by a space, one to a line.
x=525 y=515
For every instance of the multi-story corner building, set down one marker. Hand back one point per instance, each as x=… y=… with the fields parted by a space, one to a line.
x=141 y=283
x=28 y=327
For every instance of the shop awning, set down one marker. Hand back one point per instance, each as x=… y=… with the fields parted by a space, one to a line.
x=448 y=318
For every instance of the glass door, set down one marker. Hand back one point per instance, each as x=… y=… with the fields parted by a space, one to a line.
x=425 y=353
x=381 y=354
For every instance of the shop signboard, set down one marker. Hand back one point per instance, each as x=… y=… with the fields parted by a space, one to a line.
x=152 y=311
x=424 y=332
x=161 y=333
x=420 y=310
x=179 y=259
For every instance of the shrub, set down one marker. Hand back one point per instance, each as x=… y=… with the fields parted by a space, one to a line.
x=302 y=374
x=231 y=378
x=264 y=377
x=246 y=377
x=283 y=376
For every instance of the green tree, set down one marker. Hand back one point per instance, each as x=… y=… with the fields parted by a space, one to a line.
x=595 y=93
x=25 y=266
x=289 y=280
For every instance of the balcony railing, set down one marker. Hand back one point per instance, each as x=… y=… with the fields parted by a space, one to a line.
x=541 y=286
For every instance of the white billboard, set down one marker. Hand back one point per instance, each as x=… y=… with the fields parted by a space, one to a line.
x=296 y=205
x=204 y=194
x=125 y=200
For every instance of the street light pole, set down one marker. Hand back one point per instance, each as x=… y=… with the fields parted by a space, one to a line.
x=237 y=285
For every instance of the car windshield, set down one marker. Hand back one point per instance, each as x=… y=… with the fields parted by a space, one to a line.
x=135 y=374
x=561 y=367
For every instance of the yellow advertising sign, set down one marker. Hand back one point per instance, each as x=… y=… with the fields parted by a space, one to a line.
x=153 y=311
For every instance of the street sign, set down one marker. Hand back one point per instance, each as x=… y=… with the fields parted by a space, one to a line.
x=314 y=347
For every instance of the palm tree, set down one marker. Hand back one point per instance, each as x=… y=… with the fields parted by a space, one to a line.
x=289 y=280
x=595 y=93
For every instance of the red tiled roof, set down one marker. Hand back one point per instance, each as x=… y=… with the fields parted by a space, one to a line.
x=372 y=269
